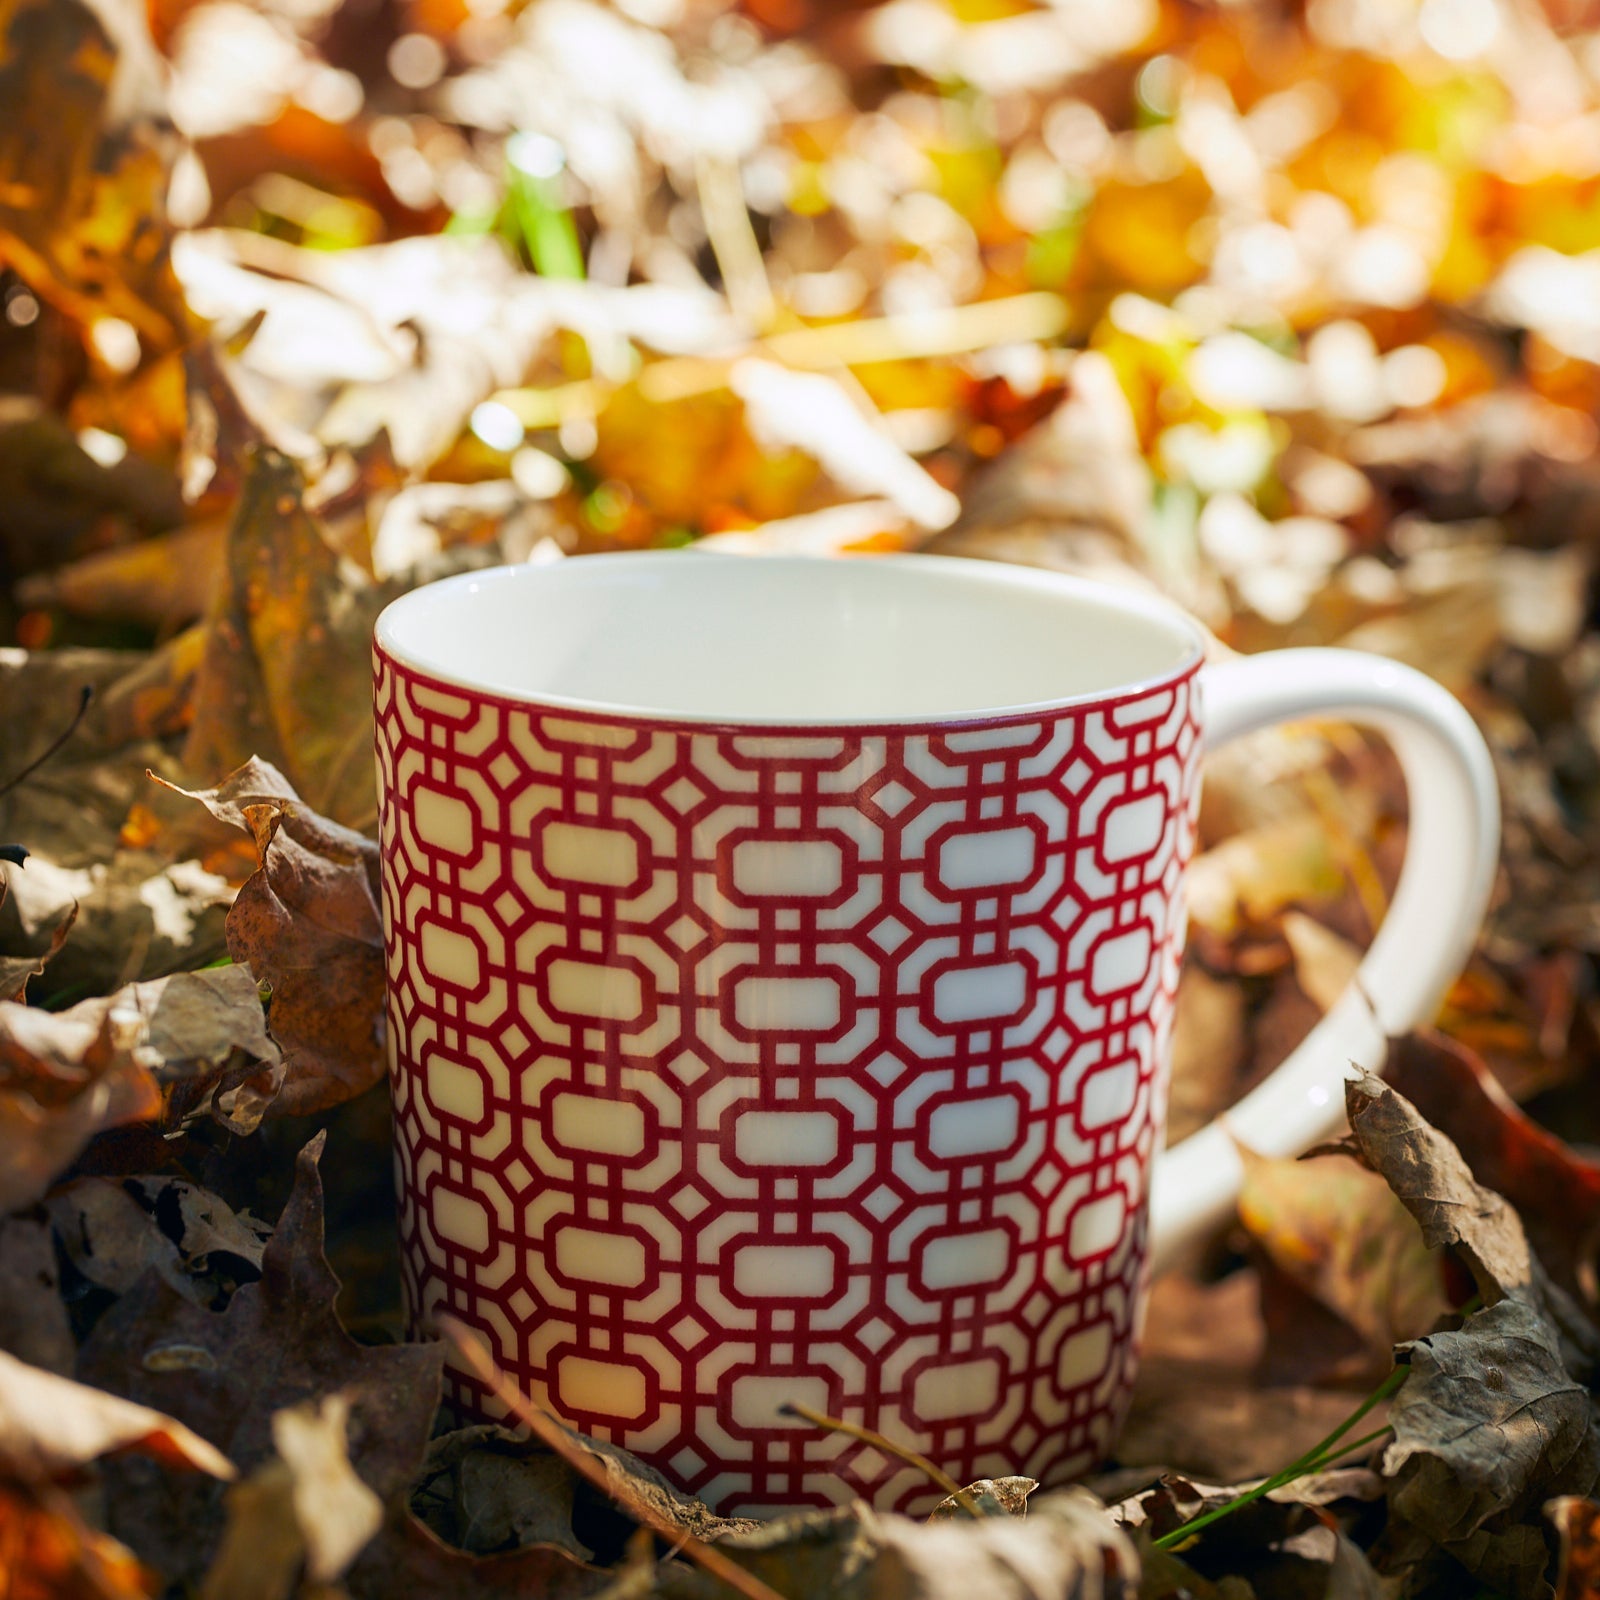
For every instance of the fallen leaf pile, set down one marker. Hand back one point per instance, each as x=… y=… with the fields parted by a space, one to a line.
x=1289 y=312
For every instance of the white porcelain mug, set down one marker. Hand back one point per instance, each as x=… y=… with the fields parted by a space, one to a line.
x=782 y=958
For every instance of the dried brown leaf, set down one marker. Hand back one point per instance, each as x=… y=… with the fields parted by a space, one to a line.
x=50 y=1425
x=307 y=923
x=1555 y=1190
x=1488 y=1426
x=278 y=1344
x=63 y=1078
x=994 y=1497
x=486 y=1489
x=337 y=1513
x=115 y=1232
x=408 y=1558
x=1435 y=1185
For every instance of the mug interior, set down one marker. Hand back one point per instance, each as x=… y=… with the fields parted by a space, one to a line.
x=787 y=640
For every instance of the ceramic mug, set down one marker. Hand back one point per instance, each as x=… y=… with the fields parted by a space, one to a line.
x=782 y=957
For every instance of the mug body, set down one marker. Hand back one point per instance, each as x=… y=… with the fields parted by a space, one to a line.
x=779 y=1001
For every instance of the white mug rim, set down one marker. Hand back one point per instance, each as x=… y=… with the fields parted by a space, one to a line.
x=1084 y=591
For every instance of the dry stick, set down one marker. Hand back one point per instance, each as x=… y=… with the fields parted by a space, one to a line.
x=940 y=1478
x=476 y=1355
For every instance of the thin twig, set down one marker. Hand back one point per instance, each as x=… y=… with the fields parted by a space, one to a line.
x=940 y=1478
x=475 y=1353
x=85 y=695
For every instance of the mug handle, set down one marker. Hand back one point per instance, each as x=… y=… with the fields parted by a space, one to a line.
x=1452 y=849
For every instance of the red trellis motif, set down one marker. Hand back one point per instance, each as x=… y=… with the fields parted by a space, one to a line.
x=732 y=1068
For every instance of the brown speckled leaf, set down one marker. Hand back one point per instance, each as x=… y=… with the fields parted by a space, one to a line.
x=278 y=1344
x=307 y=923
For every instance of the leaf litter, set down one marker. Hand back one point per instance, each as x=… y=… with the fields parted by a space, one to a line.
x=1283 y=312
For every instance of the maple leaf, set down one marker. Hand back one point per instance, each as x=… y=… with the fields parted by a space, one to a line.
x=278 y=1344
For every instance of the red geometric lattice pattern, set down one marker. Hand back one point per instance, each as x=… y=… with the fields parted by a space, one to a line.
x=826 y=1065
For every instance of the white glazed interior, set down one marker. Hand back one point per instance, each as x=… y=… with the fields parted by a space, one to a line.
x=786 y=641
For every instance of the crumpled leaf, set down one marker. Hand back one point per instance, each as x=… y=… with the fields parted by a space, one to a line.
x=305 y=1509
x=115 y=1232
x=994 y=1497
x=1488 y=1426
x=87 y=151
x=1555 y=1190
x=1493 y=1419
x=1341 y=1249
x=307 y=923
x=50 y=1425
x=278 y=1344
x=336 y=1511
x=1067 y=1544
x=486 y=1489
x=1426 y=1172
x=64 y=1077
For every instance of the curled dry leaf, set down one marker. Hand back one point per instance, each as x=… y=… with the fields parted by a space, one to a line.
x=115 y=1232
x=1492 y=1419
x=486 y=1489
x=67 y=1075
x=63 y=1078
x=50 y=1425
x=336 y=1511
x=1489 y=1425
x=307 y=923
x=994 y=1497
x=1555 y=1190
x=279 y=1343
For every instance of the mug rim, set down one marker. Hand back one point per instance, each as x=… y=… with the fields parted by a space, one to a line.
x=1109 y=596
